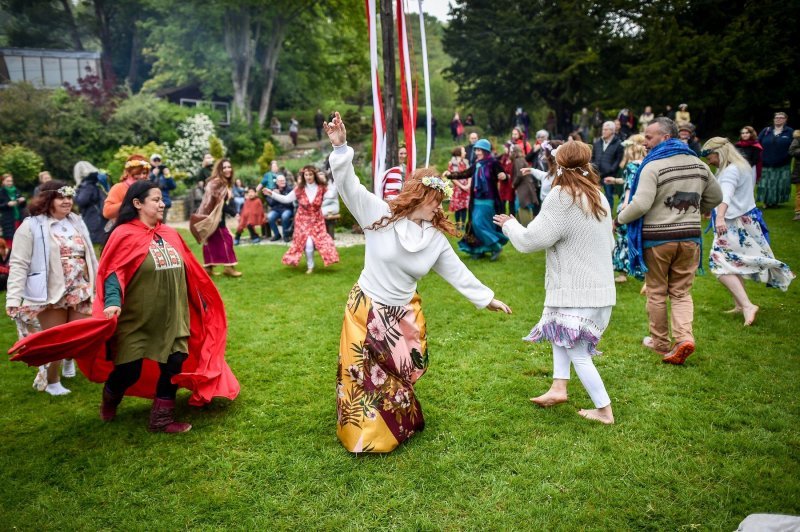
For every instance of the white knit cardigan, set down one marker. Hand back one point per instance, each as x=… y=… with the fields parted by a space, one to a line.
x=579 y=267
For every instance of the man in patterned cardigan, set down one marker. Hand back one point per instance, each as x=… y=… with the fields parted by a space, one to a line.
x=672 y=194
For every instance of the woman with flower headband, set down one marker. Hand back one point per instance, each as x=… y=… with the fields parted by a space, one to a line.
x=574 y=226
x=52 y=273
x=136 y=168
x=383 y=348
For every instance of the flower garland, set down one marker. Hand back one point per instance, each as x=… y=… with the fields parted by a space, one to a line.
x=440 y=184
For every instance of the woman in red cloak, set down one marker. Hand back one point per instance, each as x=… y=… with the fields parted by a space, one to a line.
x=158 y=320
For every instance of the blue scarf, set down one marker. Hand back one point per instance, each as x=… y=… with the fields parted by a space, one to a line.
x=480 y=177
x=669 y=148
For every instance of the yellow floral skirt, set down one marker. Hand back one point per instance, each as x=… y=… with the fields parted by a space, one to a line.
x=382 y=353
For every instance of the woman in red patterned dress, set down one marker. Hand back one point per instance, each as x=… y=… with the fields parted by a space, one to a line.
x=459 y=203
x=309 y=223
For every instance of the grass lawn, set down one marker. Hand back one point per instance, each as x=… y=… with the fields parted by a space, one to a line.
x=699 y=446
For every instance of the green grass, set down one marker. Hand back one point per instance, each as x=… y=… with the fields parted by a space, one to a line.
x=699 y=446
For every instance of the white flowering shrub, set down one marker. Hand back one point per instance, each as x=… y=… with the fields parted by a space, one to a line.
x=187 y=152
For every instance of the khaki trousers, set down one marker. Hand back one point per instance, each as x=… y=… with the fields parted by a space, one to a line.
x=670 y=273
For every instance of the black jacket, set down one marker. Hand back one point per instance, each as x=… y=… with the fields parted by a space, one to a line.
x=89 y=198
x=606 y=163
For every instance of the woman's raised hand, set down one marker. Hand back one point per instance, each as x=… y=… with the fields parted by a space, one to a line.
x=501 y=219
x=496 y=305
x=335 y=130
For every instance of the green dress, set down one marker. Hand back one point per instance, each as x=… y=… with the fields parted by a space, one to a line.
x=154 y=322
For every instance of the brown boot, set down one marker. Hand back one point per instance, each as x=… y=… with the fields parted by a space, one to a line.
x=230 y=271
x=108 y=408
x=210 y=270
x=162 y=418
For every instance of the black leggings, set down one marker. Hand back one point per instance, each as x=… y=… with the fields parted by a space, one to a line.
x=124 y=375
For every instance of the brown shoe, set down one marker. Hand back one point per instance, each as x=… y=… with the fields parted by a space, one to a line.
x=680 y=352
x=230 y=271
x=162 y=418
x=210 y=270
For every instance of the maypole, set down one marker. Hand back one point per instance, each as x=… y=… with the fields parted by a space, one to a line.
x=428 y=110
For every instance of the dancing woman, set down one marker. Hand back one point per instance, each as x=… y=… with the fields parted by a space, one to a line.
x=741 y=248
x=384 y=348
x=309 y=223
x=574 y=226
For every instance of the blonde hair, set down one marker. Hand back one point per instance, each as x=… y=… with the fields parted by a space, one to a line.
x=635 y=149
x=576 y=176
x=728 y=154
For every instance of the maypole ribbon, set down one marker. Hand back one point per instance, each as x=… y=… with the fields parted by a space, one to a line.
x=428 y=110
x=378 y=119
x=409 y=107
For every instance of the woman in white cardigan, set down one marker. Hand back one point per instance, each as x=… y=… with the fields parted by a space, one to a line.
x=383 y=348
x=51 y=273
x=741 y=248
x=574 y=226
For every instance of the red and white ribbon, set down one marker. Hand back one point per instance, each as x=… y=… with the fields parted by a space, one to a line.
x=409 y=107
x=378 y=120
x=428 y=110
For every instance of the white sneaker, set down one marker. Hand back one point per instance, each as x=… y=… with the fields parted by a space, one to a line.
x=56 y=389
x=40 y=381
x=68 y=368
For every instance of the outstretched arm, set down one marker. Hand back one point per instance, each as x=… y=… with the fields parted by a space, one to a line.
x=365 y=206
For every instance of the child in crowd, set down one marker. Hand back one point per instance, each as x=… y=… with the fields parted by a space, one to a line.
x=251 y=216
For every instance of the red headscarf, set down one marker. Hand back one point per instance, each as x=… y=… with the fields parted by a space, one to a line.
x=205 y=372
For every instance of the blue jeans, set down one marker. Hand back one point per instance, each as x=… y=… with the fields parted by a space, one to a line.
x=286 y=221
x=609 y=191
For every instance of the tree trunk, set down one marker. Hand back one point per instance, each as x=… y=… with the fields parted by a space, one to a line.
x=389 y=83
x=133 y=68
x=73 y=28
x=240 y=45
x=101 y=12
x=269 y=67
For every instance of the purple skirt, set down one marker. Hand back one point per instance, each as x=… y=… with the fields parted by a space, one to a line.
x=218 y=249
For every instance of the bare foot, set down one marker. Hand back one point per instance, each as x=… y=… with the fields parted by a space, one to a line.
x=735 y=310
x=749 y=315
x=622 y=278
x=596 y=415
x=551 y=398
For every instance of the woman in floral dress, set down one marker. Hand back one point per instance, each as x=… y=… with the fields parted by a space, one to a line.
x=383 y=349
x=459 y=203
x=635 y=152
x=309 y=223
x=741 y=248
x=52 y=273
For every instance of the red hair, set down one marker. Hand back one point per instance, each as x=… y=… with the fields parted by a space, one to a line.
x=576 y=176
x=413 y=195
x=135 y=157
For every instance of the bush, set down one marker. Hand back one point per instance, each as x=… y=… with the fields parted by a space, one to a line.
x=215 y=148
x=117 y=165
x=243 y=141
x=22 y=163
x=267 y=156
x=187 y=152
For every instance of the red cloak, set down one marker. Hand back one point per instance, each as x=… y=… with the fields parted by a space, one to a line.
x=205 y=373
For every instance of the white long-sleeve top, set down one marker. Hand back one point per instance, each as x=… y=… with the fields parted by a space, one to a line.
x=291 y=197
x=579 y=267
x=400 y=254
x=737 y=191
x=546 y=181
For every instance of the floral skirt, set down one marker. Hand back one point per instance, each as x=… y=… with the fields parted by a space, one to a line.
x=382 y=352
x=775 y=186
x=621 y=255
x=218 y=249
x=745 y=251
x=566 y=326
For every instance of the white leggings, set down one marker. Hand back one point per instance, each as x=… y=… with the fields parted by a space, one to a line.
x=310 y=253
x=579 y=356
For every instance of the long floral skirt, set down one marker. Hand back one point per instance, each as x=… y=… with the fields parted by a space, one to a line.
x=775 y=186
x=745 y=251
x=218 y=249
x=382 y=353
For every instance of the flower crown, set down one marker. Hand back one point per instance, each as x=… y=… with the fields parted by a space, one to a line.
x=135 y=163
x=439 y=184
x=561 y=169
x=66 y=191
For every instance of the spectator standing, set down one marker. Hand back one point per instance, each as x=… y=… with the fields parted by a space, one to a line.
x=683 y=116
x=294 y=127
x=136 y=168
x=44 y=177
x=669 y=112
x=686 y=135
x=751 y=150
x=473 y=138
x=525 y=187
x=456 y=127
x=536 y=158
x=627 y=124
x=670 y=191
x=280 y=210
x=584 y=121
x=90 y=198
x=469 y=120
x=239 y=195
x=275 y=125
x=160 y=175
x=645 y=118
x=518 y=139
x=598 y=118
x=775 y=186
x=250 y=216
x=606 y=155
x=319 y=119
x=204 y=173
x=459 y=202
x=12 y=204
x=394 y=177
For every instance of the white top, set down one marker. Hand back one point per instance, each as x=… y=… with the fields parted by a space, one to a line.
x=737 y=191
x=330 y=200
x=398 y=255
x=579 y=269
x=291 y=197
x=546 y=180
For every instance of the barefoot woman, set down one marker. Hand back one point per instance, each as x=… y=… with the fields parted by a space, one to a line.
x=383 y=348
x=574 y=226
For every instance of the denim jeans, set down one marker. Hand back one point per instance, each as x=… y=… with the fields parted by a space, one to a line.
x=609 y=191
x=286 y=221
